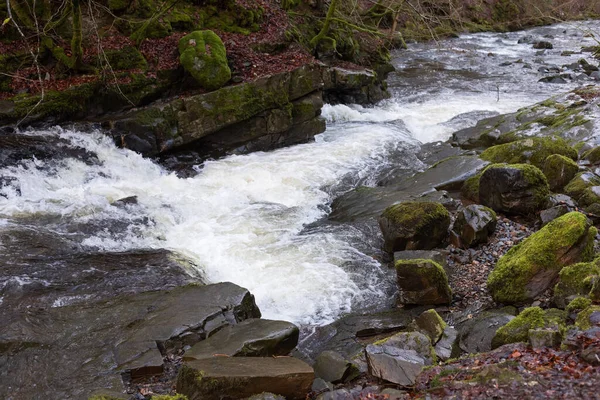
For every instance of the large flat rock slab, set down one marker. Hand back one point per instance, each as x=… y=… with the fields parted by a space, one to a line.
x=221 y=378
x=253 y=337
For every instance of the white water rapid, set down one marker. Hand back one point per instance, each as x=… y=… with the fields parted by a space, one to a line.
x=244 y=218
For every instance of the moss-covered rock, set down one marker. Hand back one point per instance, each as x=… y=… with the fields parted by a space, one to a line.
x=473 y=225
x=126 y=58
x=520 y=189
x=580 y=183
x=574 y=282
x=530 y=267
x=517 y=330
x=203 y=55
x=589 y=197
x=533 y=151
x=422 y=282
x=431 y=324
x=578 y=304
x=470 y=188
x=416 y=341
x=592 y=155
x=414 y=226
x=559 y=170
x=588 y=318
x=168 y=397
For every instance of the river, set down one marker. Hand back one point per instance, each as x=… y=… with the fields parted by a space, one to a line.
x=260 y=220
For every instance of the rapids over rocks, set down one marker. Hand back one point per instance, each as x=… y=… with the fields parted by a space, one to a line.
x=70 y=198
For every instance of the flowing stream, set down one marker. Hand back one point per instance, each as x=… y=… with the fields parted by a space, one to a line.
x=260 y=220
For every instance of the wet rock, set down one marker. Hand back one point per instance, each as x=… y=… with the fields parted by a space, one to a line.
x=416 y=341
x=527 y=39
x=422 y=282
x=241 y=377
x=414 y=226
x=431 y=324
x=559 y=171
x=249 y=338
x=321 y=385
x=558 y=79
x=534 y=150
x=546 y=216
x=447 y=347
x=473 y=225
x=434 y=255
x=332 y=367
x=544 y=337
x=575 y=281
x=542 y=44
x=513 y=189
x=582 y=181
x=475 y=335
x=561 y=199
x=517 y=330
x=394 y=365
x=532 y=266
x=355 y=87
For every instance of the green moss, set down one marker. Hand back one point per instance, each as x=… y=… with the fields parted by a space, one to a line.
x=428 y=271
x=592 y=155
x=540 y=254
x=580 y=183
x=559 y=170
x=531 y=150
x=416 y=214
x=202 y=54
x=167 y=397
x=470 y=188
x=583 y=318
x=126 y=58
x=118 y=5
x=578 y=303
x=517 y=330
x=574 y=282
x=564 y=119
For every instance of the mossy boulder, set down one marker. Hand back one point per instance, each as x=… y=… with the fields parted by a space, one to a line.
x=126 y=58
x=592 y=156
x=474 y=224
x=578 y=304
x=203 y=55
x=422 y=282
x=589 y=197
x=470 y=188
x=532 y=266
x=582 y=181
x=431 y=324
x=415 y=341
x=575 y=281
x=531 y=151
x=520 y=189
x=588 y=318
x=517 y=330
x=414 y=226
x=559 y=170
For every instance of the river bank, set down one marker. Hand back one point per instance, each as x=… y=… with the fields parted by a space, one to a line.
x=79 y=216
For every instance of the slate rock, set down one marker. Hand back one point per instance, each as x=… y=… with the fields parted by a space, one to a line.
x=332 y=367
x=474 y=225
x=475 y=335
x=394 y=365
x=416 y=341
x=448 y=347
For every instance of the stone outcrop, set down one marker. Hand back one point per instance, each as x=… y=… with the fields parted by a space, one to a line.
x=241 y=377
x=532 y=266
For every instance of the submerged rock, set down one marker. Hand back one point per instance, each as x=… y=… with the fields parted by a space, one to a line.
x=249 y=338
x=514 y=189
x=422 y=282
x=241 y=377
x=414 y=226
x=530 y=267
x=474 y=224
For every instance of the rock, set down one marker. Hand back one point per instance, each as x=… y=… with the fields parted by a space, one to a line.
x=475 y=335
x=249 y=338
x=264 y=396
x=332 y=367
x=542 y=44
x=517 y=330
x=575 y=281
x=422 y=282
x=395 y=394
x=354 y=87
x=582 y=181
x=414 y=226
x=589 y=198
x=321 y=385
x=530 y=267
x=544 y=337
x=559 y=170
x=448 y=347
x=394 y=365
x=514 y=189
x=551 y=214
x=559 y=79
x=534 y=150
x=433 y=255
x=527 y=39
x=591 y=156
x=241 y=377
x=416 y=341
x=430 y=323
x=561 y=199
x=473 y=225
x=203 y=55
x=588 y=318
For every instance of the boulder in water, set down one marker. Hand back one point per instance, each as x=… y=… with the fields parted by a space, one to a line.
x=543 y=45
x=532 y=150
x=414 y=226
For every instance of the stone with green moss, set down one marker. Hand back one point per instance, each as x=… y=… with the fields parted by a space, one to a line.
x=126 y=58
x=203 y=55
x=531 y=150
x=520 y=189
x=582 y=181
x=578 y=304
x=530 y=267
x=592 y=155
x=588 y=318
x=430 y=323
x=422 y=282
x=169 y=397
x=589 y=197
x=416 y=341
x=559 y=170
x=414 y=226
x=517 y=330
x=574 y=281
x=470 y=188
